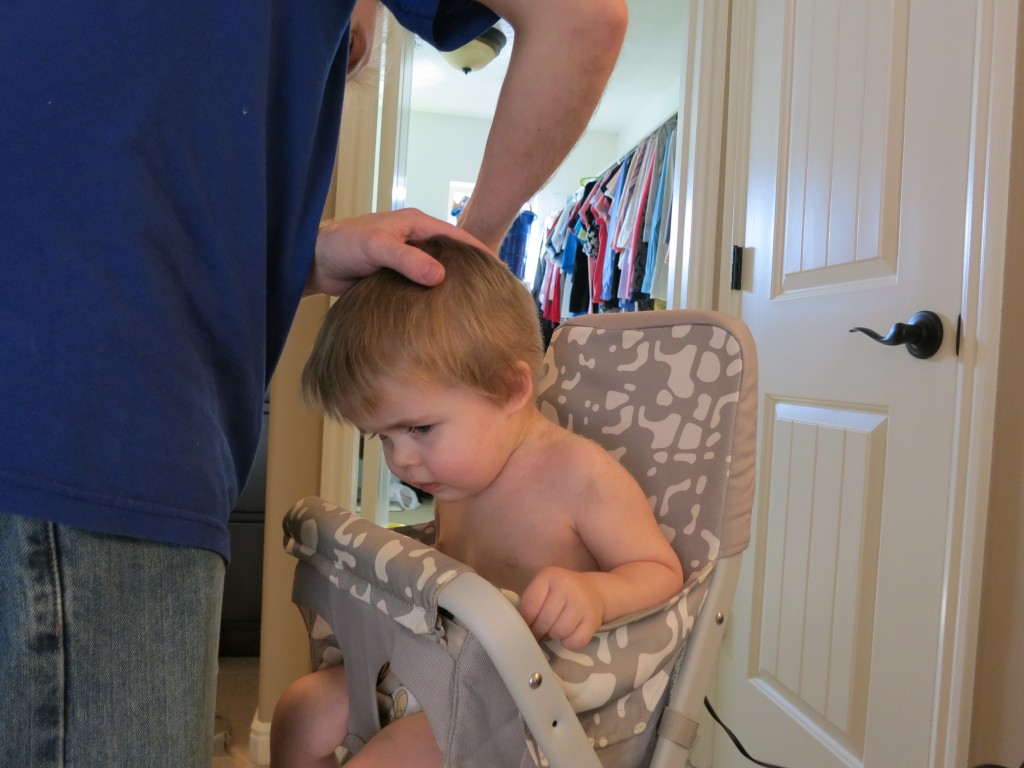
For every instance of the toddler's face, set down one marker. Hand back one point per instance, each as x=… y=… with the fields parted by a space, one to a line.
x=449 y=441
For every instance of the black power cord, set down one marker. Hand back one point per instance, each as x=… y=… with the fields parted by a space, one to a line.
x=736 y=741
x=743 y=751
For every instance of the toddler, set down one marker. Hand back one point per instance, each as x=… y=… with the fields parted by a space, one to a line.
x=446 y=378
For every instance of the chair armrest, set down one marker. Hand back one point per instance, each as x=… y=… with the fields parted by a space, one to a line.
x=399 y=575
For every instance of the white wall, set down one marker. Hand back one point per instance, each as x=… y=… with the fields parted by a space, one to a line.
x=445 y=148
x=649 y=118
x=442 y=148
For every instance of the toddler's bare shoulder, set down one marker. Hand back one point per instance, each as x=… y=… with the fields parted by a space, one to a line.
x=577 y=450
x=585 y=467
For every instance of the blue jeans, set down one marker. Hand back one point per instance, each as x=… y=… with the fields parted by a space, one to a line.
x=108 y=649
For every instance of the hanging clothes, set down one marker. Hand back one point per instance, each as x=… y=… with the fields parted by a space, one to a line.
x=513 y=248
x=661 y=227
x=610 y=276
x=634 y=215
x=606 y=248
x=642 y=266
x=599 y=209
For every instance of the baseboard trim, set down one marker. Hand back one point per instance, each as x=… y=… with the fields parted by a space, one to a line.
x=259 y=741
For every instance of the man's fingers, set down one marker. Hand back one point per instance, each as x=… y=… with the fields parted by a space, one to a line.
x=349 y=249
x=415 y=264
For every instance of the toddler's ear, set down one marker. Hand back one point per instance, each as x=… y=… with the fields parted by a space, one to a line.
x=520 y=387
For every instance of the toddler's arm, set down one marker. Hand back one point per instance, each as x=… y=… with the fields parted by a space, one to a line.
x=638 y=568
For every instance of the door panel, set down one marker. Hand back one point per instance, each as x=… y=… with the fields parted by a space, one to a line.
x=817 y=578
x=842 y=82
x=857 y=195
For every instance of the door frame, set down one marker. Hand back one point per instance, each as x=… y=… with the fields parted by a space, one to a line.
x=369 y=177
x=987 y=216
x=699 y=143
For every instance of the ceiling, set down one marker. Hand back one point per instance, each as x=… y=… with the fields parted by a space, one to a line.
x=650 y=60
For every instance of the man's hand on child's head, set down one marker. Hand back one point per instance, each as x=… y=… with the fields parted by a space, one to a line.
x=349 y=249
x=562 y=605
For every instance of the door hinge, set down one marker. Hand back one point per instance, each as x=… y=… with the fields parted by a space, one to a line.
x=736 y=273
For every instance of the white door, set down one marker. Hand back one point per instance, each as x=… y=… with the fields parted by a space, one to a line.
x=863 y=145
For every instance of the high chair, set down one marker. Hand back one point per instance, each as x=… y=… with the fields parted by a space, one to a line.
x=673 y=396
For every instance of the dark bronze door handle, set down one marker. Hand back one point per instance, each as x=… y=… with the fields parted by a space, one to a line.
x=922 y=334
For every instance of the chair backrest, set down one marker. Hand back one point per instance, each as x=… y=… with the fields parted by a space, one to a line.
x=672 y=395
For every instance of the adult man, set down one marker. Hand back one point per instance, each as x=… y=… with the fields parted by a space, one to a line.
x=164 y=168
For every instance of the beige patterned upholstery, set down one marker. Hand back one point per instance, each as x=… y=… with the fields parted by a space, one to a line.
x=672 y=395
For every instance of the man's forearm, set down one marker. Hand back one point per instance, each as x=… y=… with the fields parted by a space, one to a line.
x=563 y=53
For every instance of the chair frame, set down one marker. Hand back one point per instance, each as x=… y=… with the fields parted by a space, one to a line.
x=482 y=609
x=521 y=664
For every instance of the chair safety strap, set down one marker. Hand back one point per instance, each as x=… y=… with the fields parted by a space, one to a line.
x=678 y=728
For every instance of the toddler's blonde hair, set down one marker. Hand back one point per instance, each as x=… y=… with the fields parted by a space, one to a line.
x=470 y=331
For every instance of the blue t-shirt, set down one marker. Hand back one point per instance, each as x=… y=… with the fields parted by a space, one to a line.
x=164 y=167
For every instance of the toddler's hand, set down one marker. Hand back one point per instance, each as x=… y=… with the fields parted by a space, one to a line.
x=563 y=605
